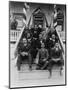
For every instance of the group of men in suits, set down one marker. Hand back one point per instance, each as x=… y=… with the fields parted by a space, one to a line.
x=34 y=47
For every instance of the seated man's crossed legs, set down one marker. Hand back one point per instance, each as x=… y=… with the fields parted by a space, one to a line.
x=53 y=62
x=22 y=58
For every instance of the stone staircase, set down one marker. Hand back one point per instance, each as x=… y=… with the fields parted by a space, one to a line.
x=25 y=77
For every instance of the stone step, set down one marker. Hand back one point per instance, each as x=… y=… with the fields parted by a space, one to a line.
x=26 y=74
x=25 y=77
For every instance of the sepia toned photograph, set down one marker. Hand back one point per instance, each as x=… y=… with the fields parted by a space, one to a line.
x=37 y=44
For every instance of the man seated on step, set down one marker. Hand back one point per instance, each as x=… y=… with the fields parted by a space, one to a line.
x=23 y=53
x=42 y=57
x=56 y=58
x=50 y=42
x=29 y=37
x=35 y=46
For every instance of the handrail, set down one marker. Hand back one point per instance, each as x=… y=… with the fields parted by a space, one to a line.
x=17 y=42
x=61 y=43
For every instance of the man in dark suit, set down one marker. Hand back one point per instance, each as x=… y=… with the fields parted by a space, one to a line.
x=50 y=42
x=42 y=57
x=56 y=58
x=14 y=24
x=23 y=53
